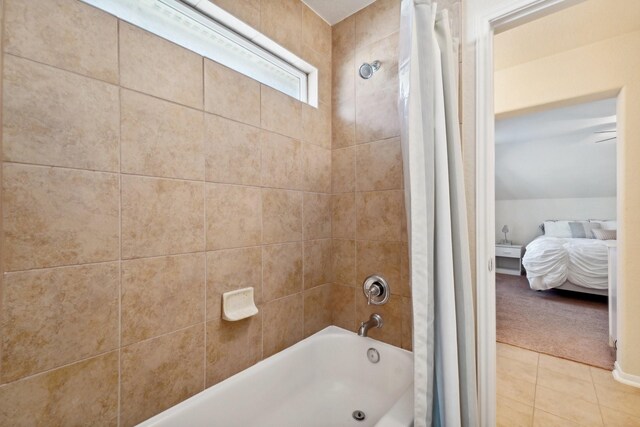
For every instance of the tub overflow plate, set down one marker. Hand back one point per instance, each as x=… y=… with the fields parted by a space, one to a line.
x=373 y=355
x=358 y=415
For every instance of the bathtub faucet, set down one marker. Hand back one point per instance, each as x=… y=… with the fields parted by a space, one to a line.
x=375 y=321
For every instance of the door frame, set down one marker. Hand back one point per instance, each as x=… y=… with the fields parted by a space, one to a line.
x=500 y=16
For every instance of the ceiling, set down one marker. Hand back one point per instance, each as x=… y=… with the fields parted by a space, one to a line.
x=334 y=11
x=587 y=22
x=554 y=155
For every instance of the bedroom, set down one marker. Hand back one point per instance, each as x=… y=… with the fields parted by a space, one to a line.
x=559 y=193
x=555 y=216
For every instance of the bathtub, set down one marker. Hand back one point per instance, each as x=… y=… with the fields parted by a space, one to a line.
x=320 y=381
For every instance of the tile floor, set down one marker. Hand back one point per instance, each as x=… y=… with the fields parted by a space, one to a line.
x=539 y=390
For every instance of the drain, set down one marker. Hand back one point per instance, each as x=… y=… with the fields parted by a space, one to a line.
x=358 y=415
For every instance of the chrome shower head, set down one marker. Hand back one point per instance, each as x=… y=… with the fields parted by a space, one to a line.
x=367 y=70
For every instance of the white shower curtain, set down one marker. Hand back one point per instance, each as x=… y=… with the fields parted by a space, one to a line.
x=443 y=317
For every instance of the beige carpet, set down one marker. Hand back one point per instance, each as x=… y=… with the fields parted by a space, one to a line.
x=565 y=324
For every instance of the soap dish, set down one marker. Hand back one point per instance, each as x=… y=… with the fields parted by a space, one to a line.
x=238 y=305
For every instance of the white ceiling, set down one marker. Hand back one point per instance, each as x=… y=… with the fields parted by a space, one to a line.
x=553 y=154
x=334 y=11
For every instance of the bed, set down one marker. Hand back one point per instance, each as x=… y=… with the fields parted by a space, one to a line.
x=558 y=260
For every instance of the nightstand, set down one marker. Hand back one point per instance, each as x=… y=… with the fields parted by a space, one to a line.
x=509 y=259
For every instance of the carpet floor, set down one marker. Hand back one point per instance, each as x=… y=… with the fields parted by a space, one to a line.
x=564 y=324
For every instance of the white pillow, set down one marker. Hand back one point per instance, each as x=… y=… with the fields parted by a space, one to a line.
x=557 y=229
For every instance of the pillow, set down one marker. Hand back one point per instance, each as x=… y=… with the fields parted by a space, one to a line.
x=557 y=229
x=610 y=224
x=605 y=234
x=583 y=229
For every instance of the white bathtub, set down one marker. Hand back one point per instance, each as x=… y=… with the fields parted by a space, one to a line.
x=320 y=382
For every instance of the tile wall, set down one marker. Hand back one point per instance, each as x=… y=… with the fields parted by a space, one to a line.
x=140 y=182
x=368 y=220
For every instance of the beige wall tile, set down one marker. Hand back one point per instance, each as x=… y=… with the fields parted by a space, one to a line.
x=343 y=224
x=343 y=82
x=391 y=312
x=343 y=123
x=386 y=51
x=316 y=125
x=316 y=214
x=344 y=261
x=378 y=258
x=161 y=216
x=376 y=21
x=343 y=170
x=158 y=67
x=85 y=393
x=231 y=94
x=81 y=132
x=58 y=216
x=282 y=165
x=53 y=317
x=318 y=268
x=316 y=33
x=281 y=215
x=158 y=373
x=407 y=324
x=280 y=113
x=161 y=295
x=233 y=216
x=285 y=319
x=343 y=307
x=381 y=122
x=405 y=272
x=317 y=168
x=317 y=309
x=248 y=11
x=379 y=165
x=282 y=270
x=343 y=38
x=232 y=151
x=232 y=347
x=379 y=215
x=160 y=138
x=281 y=20
x=323 y=63
x=64 y=33
x=566 y=406
x=230 y=270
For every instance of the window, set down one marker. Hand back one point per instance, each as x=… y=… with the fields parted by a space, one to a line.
x=208 y=30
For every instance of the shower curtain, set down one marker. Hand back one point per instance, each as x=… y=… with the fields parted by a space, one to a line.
x=443 y=316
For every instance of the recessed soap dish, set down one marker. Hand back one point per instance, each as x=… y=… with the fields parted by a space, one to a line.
x=238 y=305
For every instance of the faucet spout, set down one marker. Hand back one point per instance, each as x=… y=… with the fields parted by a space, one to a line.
x=375 y=321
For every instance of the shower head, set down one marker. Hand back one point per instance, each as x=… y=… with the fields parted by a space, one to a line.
x=367 y=70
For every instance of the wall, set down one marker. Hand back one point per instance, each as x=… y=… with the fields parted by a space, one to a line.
x=606 y=68
x=368 y=223
x=140 y=182
x=525 y=216
x=368 y=209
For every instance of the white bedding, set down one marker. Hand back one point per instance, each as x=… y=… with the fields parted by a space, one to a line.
x=550 y=261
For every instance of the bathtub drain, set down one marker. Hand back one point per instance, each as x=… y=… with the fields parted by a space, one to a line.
x=358 y=415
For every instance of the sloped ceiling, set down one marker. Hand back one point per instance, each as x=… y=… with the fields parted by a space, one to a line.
x=554 y=155
x=334 y=11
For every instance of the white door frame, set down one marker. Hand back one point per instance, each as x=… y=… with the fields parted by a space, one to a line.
x=503 y=15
